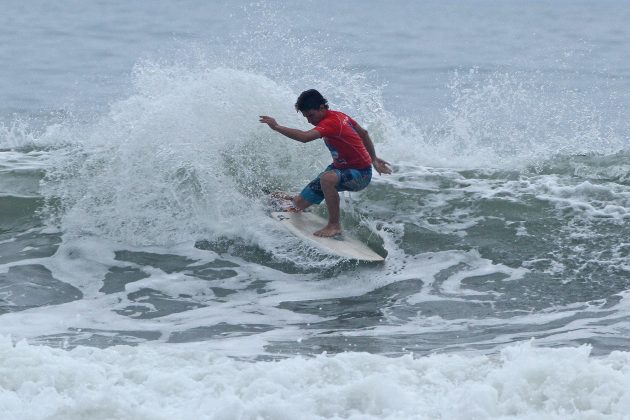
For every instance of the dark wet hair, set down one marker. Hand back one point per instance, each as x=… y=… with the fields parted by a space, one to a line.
x=310 y=99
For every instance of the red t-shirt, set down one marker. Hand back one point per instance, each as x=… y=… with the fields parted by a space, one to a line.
x=345 y=145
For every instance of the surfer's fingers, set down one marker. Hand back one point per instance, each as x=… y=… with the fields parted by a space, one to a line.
x=381 y=167
x=386 y=166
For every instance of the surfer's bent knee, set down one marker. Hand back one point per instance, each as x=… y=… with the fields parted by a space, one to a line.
x=330 y=178
x=345 y=180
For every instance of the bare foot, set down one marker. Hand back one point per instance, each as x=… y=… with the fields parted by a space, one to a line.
x=281 y=201
x=329 y=231
x=281 y=195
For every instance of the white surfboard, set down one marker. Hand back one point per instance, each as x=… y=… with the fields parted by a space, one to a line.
x=303 y=224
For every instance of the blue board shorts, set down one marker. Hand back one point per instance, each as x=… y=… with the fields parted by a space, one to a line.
x=349 y=180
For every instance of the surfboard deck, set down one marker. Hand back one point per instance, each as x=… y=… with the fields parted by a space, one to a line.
x=303 y=224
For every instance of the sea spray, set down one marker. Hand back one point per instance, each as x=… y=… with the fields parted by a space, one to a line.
x=516 y=119
x=171 y=161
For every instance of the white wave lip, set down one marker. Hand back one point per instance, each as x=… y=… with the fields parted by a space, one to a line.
x=187 y=381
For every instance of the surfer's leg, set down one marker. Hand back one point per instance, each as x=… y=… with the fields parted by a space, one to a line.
x=314 y=193
x=311 y=194
x=300 y=203
x=333 y=181
x=328 y=183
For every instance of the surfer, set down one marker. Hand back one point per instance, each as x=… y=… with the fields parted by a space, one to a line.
x=352 y=151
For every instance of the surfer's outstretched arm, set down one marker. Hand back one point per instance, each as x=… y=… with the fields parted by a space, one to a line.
x=292 y=133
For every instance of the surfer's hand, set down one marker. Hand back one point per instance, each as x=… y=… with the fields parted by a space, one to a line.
x=272 y=123
x=381 y=166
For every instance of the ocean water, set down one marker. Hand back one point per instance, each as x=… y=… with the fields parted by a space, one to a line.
x=142 y=278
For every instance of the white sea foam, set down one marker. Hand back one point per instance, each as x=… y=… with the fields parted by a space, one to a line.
x=85 y=262
x=188 y=381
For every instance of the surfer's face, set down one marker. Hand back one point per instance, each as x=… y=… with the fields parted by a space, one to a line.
x=314 y=116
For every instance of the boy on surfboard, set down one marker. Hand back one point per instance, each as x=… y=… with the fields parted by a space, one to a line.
x=352 y=151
